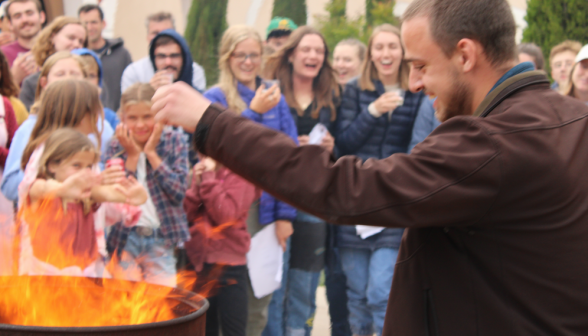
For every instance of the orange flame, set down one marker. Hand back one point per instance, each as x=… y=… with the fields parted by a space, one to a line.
x=67 y=301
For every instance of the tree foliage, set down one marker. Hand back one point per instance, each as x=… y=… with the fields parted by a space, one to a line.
x=378 y=12
x=550 y=22
x=205 y=27
x=292 y=9
x=337 y=26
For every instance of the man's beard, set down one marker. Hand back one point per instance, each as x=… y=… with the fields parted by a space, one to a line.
x=459 y=102
x=20 y=32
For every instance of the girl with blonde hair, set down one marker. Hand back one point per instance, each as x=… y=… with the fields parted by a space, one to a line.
x=241 y=89
x=60 y=66
x=62 y=34
x=576 y=86
x=376 y=120
x=63 y=187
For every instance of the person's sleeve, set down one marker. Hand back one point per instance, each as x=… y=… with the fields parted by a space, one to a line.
x=198 y=77
x=424 y=123
x=282 y=209
x=192 y=202
x=127 y=58
x=20 y=111
x=451 y=179
x=226 y=200
x=13 y=174
x=10 y=121
x=128 y=78
x=173 y=170
x=27 y=91
x=355 y=125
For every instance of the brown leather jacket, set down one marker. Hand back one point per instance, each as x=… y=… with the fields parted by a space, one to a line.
x=496 y=207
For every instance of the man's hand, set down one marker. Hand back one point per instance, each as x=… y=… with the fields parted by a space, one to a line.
x=179 y=105
x=283 y=231
x=161 y=78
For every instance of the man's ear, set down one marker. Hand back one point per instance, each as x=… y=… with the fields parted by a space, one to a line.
x=468 y=52
x=42 y=16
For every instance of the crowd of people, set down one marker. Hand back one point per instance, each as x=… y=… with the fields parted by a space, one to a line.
x=78 y=138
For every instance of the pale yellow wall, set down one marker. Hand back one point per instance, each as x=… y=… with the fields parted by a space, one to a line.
x=130 y=22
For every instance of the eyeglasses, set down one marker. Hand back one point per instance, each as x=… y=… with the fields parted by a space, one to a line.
x=242 y=57
x=161 y=57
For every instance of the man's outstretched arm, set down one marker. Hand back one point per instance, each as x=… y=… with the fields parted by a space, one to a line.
x=451 y=179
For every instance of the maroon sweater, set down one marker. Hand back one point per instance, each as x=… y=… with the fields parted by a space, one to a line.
x=11 y=127
x=217 y=210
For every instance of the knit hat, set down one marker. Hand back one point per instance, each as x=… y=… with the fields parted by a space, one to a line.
x=281 y=23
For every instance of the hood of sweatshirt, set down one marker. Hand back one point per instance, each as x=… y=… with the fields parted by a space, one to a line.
x=186 y=72
x=84 y=51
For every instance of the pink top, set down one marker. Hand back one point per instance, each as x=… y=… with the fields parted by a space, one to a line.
x=217 y=211
x=62 y=238
x=11 y=51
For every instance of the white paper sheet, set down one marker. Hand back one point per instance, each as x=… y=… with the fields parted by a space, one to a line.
x=265 y=262
x=317 y=134
x=365 y=231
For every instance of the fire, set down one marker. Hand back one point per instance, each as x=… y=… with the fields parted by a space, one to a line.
x=63 y=300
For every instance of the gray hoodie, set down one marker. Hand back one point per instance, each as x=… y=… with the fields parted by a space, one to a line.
x=115 y=58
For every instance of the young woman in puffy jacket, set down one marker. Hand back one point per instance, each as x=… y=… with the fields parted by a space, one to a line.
x=375 y=120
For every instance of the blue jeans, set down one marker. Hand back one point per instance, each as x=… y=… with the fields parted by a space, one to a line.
x=369 y=278
x=149 y=259
x=336 y=285
x=291 y=311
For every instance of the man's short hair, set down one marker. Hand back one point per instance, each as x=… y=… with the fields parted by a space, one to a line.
x=165 y=40
x=490 y=22
x=278 y=33
x=90 y=7
x=534 y=51
x=160 y=17
x=36 y=2
x=568 y=45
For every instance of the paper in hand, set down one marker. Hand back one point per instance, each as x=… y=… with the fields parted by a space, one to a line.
x=317 y=134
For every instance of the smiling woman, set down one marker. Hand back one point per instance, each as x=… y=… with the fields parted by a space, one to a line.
x=375 y=121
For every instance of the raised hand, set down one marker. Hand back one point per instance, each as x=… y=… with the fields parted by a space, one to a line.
x=134 y=191
x=180 y=105
x=265 y=100
x=154 y=138
x=125 y=137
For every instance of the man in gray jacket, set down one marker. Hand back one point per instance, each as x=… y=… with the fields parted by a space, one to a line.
x=114 y=56
x=142 y=70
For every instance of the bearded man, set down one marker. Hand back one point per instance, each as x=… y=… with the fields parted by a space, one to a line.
x=494 y=201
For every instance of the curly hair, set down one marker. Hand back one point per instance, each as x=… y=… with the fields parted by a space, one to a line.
x=44 y=47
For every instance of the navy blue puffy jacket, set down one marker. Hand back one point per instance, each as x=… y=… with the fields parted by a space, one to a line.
x=361 y=134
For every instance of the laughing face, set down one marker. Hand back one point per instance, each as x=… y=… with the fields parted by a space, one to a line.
x=435 y=73
x=386 y=55
x=246 y=61
x=308 y=57
x=346 y=62
x=580 y=79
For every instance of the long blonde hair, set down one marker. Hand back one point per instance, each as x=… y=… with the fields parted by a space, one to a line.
x=324 y=85
x=64 y=103
x=61 y=145
x=227 y=81
x=369 y=73
x=43 y=47
x=50 y=62
x=136 y=94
